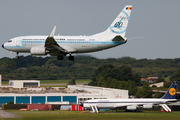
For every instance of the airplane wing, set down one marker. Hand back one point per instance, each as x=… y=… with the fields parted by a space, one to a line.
x=124 y=105
x=134 y=106
x=51 y=44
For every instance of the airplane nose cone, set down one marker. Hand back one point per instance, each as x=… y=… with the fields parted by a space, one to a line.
x=2 y=45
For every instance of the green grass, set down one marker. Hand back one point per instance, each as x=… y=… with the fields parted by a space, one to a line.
x=54 y=85
x=55 y=81
x=82 y=115
x=64 y=81
x=166 y=78
x=5 y=82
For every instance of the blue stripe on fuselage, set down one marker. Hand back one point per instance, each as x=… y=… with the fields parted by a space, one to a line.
x=68 y=42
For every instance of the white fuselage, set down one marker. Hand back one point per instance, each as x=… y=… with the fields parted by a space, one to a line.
x=118 y=103
x=74 y=44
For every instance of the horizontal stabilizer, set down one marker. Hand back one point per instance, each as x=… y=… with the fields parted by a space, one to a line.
x=118 y=39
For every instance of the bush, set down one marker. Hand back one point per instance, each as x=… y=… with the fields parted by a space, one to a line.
x=10 y=103
x=57 y=107
x=14 y=106
x=167 y=84
x=19 y=106
x=154 y=86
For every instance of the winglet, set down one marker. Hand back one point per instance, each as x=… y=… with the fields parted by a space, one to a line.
x=53 y=32
x=171 y=93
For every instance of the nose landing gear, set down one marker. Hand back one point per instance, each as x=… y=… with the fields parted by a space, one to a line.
x=17 y=56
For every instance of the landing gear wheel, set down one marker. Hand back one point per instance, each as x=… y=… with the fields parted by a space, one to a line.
x=59 y=57
x=17 y=57
x=71 y=58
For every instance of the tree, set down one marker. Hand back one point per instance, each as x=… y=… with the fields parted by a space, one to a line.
x=139 y=93
x=101 y=82
x=160 y=80
x=113 y=83
x=144 y=92
x=157 y=95
x=122 y=73
x=147 y=92
x=122 y=69
x=72 y=81
x=167 y=84
x=176 y=77
x=121 y=84
x=137 y=79
x=132 y=87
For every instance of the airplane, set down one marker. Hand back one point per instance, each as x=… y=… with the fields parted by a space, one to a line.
x=133 y=104
x=60 y=46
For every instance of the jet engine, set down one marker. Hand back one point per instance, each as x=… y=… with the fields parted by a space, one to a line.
x=147 y=106
x=131 y=108
x=39 y=51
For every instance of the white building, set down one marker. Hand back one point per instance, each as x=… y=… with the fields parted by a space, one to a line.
x=101 y=91
x=24 y=83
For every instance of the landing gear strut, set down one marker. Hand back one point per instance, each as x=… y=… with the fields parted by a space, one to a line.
x=71 y=57
x=17 y=57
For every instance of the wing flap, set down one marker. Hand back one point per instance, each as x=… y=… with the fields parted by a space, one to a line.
x=129 y=104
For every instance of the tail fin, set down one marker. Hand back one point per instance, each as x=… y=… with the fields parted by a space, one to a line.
x=171 y=93
x=119 y=25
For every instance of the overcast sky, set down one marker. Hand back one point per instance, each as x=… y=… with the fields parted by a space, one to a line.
x=156 y=20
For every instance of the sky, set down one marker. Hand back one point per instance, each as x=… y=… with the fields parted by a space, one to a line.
x=156 y=20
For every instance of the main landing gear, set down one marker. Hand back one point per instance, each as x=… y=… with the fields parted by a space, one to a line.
x=60 y=57
x=71 y=57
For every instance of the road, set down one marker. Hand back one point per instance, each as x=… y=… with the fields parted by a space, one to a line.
x=4 y=114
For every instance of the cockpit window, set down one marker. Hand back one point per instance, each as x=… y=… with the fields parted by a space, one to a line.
x=10 y=41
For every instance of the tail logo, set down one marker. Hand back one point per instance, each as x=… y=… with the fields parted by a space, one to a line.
x=172 y=91
x=118 y=27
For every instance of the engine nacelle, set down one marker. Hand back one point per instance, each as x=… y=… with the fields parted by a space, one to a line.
x=147 y=106
x=39 y=51
x=131 y=108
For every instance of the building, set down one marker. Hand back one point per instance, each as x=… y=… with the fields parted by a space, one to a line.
x=24 y=83
x=74 y=94
x=160 y=84
x=150 y=79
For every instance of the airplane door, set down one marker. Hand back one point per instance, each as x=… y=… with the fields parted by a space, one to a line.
x=17 y=42
x=99 y=43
